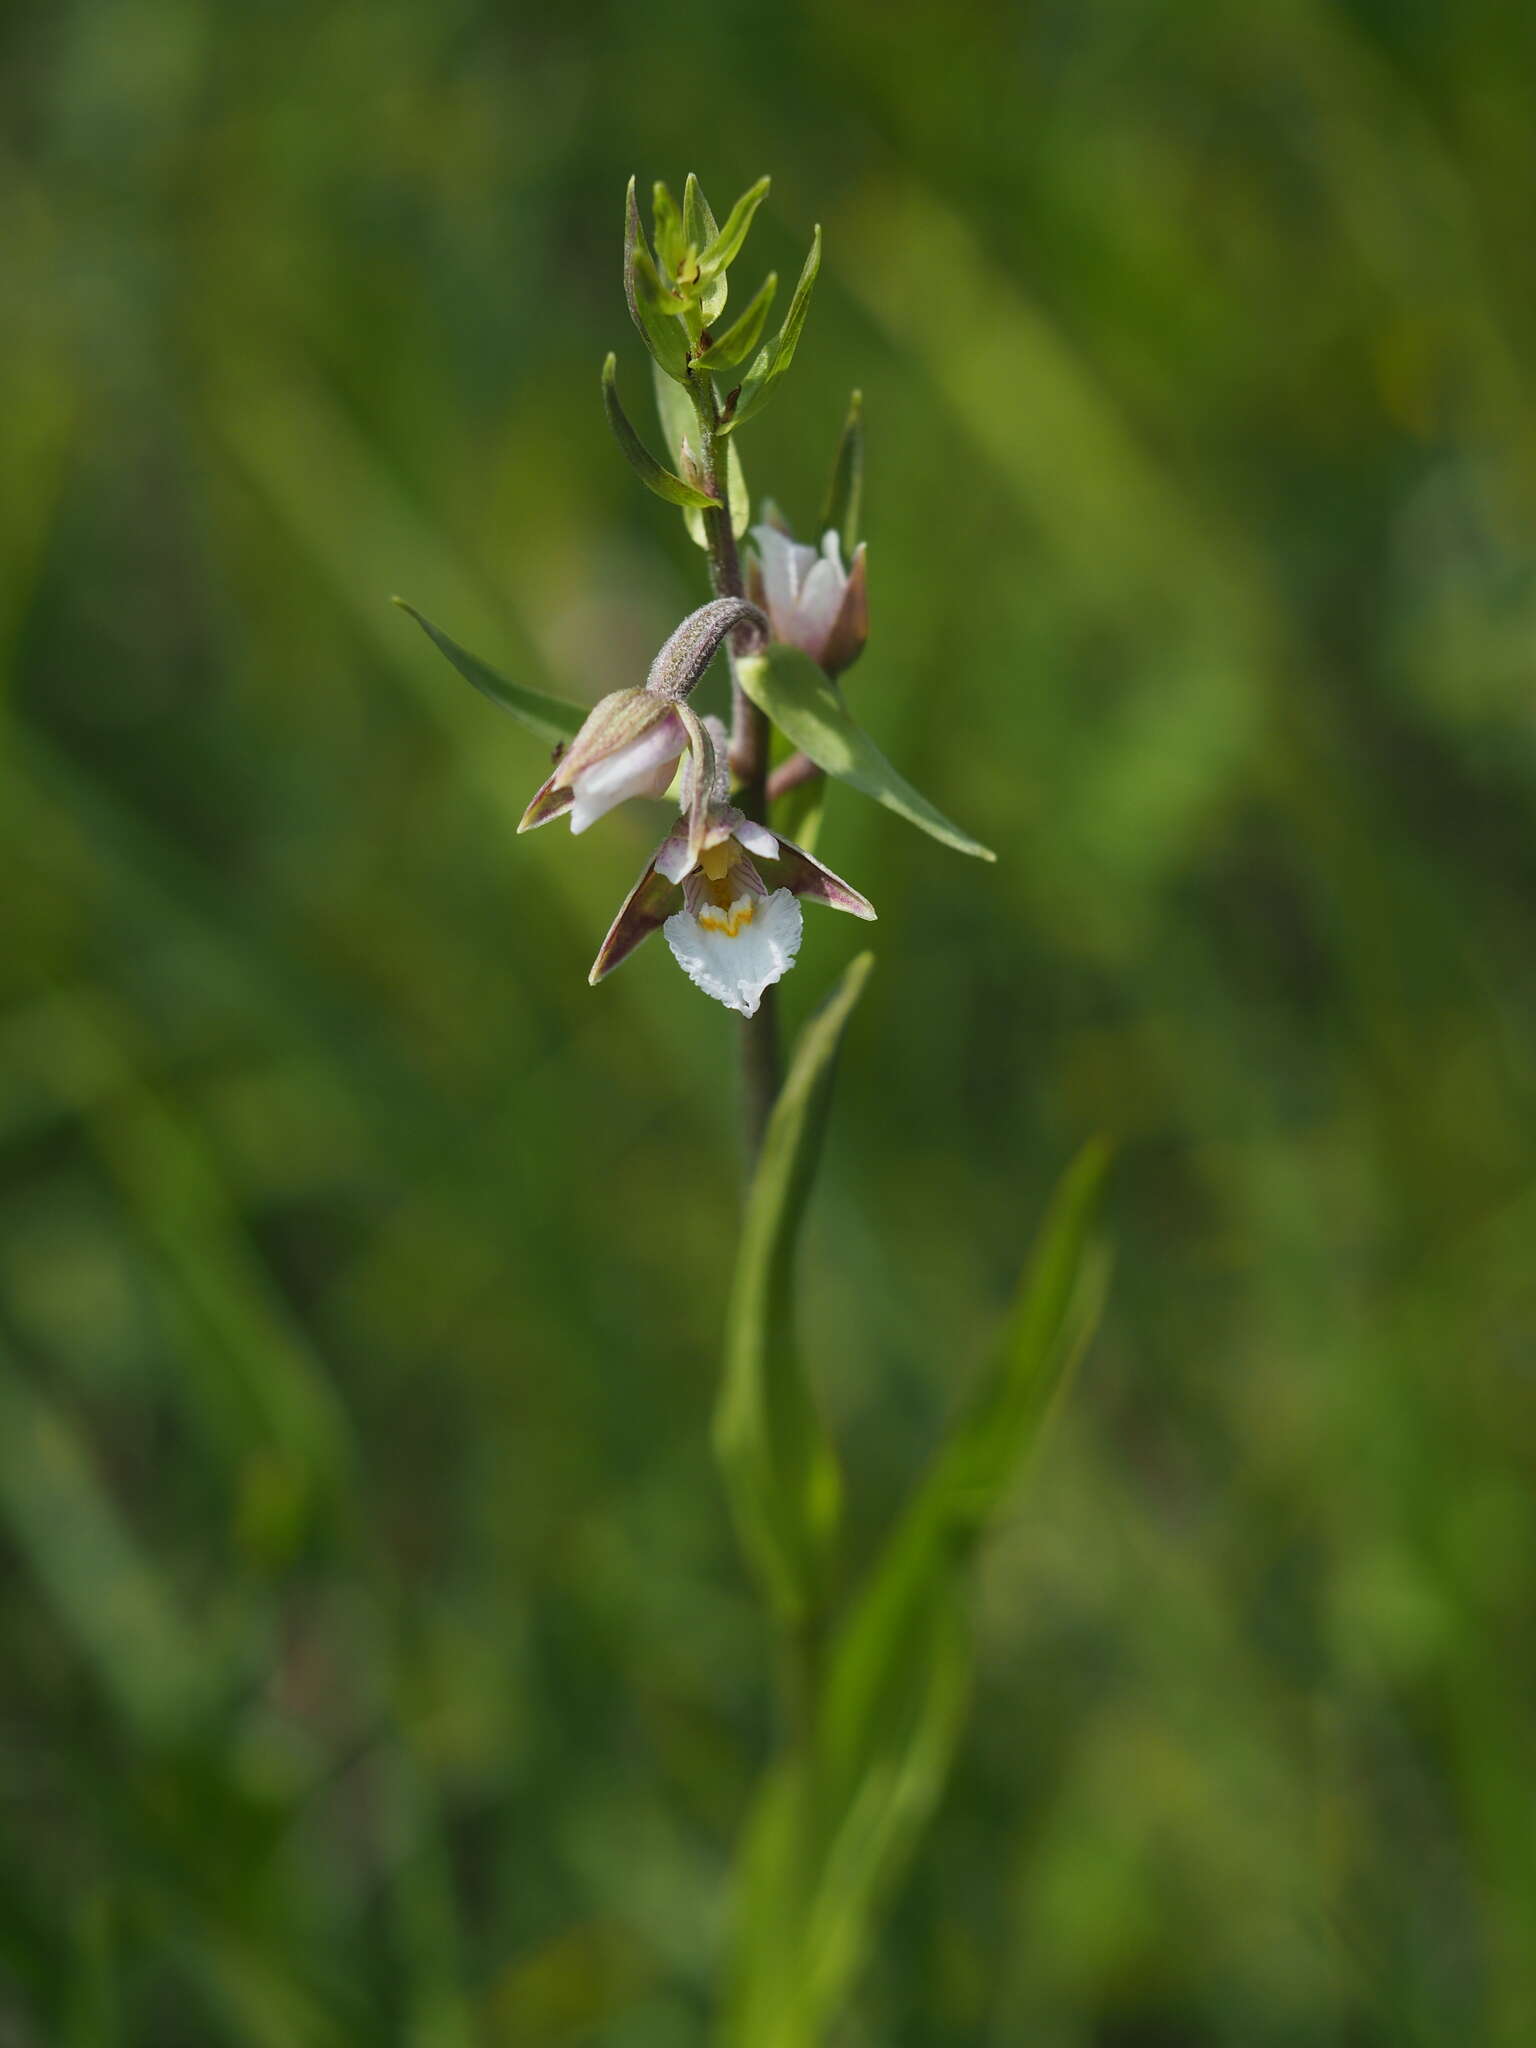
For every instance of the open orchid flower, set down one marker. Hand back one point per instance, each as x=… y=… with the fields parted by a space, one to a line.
x=812 y=601
x=731 y=932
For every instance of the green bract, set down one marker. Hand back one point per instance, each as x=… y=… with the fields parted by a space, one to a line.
x=641 y=461
x=845 y=492
x=810 y=711
x=680 y=425
x=552 y=718
x=775 y=357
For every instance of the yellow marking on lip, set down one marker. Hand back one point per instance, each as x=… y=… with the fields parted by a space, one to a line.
x=730 y=921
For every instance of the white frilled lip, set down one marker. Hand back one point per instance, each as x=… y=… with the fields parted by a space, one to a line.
x=738 y=953
x=655 y=897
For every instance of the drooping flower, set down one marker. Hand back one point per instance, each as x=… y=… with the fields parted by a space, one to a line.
x=731 y=931
x=812 y=601
x=632 y=740
x=629 y=746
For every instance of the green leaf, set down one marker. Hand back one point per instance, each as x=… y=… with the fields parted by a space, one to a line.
x=741 y=337
x=810 y=712
x=797 y=815
x=780 y=1470
x=680 y=422
x=641 y=460
x=777 y=355
x=671 y=244
x=654 y=310
x=1052 y=1317
x=700 y=230
x=845 y=491
x=723 y=248
x=837 y=1824
x=550 y=717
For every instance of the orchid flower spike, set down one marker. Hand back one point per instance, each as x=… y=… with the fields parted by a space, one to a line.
x=729 y=930
x=812 y=601
x=632 y=740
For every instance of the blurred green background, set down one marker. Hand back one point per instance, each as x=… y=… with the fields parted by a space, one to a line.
x=377 y=1664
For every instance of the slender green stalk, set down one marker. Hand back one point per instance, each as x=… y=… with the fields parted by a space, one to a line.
x=749 y=755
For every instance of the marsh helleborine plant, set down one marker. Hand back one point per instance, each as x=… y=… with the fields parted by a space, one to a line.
x=869 y=1693
x=724 y=887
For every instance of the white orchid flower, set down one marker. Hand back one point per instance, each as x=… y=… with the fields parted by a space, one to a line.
x=812 y=601
x=731 y=932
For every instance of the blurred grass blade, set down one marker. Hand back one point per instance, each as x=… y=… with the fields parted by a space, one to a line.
x=811 y=714
x=834 y=1829
x=777 y=355
x=845 y=491
x=108 y=1597
x=780 y=1470
x=640 y=458
x=550 y=717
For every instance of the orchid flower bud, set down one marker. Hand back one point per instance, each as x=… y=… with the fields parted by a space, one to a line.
x=629 y=746
x=812 y=601
x=731 y=931
x=632 y=740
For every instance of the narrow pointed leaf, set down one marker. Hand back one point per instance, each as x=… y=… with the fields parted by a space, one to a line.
x=775 y=357
x=652 y=307
x=845 y=492
x=1052 y=1317
x=833 y=1832
x=698 y=221
x=811 y=714
x=550 y=717
x=780 y=1469
x=738 y=340
x=670 y=242
x=641 y=460
x=700 y=230
x=724 y=247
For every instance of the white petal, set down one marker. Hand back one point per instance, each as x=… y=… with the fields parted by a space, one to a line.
x=672 y=855
x=784 y=563
x=755 y=838
x=643 y=768
x=821 y=595
x=736 y=970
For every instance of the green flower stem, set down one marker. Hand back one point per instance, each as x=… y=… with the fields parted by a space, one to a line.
x=749 y=752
